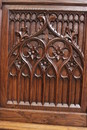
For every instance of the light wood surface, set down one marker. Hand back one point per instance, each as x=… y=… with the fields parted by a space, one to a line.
x=26 y=126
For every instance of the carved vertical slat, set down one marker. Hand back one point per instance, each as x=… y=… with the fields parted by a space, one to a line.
x=65 y=90
x=82 y=19
x=12 y=31
x=73 y=91
x=65 y=25
x=22 y=23
x=70 y=85
x=27 y=89
x=28 y=26
x=14 y=88
x=38 y=25
x=10 y=89
x=76 y=27
x=59 y=27
x=17 y=27
x=62 y=95
x=37 y=89
x=75 y=101
x=22 y=89
x=31 y=81
x=40 y=90
x=84 y=90
x=47 y=90
x=18 y=88
x=56 y=91
x=43 y=92
x=81 y=32
x=52 y=86
x=33 y=27
x=27 y=21
x=60 y=85
x=70 y=25
x=78 y=92
x=62 y=28
x=72 y=19
x=38 y=86
x=36 y=100
x=34 y=89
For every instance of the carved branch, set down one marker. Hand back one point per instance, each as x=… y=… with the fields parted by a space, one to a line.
x=22 y=33
x=70 y=34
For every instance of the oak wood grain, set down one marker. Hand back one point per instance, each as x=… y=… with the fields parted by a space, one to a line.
x=43 y=117
x=25 y=126
x=43 y=62
x=63 y=2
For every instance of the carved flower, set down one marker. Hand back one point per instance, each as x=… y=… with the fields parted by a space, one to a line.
x=18 y=64
x=44 y=64
x=58 y=53
x=71 y=64
x=33 y=52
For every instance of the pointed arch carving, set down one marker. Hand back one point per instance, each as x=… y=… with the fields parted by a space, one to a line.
x=59 y=58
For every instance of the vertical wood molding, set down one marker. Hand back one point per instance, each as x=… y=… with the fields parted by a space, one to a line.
x=4 y=56
x=84 y=97
x=0 y=44
x=85 y=87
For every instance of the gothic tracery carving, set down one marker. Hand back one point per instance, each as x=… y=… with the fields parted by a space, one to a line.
x=60 y=51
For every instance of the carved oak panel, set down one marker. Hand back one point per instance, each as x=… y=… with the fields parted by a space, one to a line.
x=46 y=58
x=43 y=68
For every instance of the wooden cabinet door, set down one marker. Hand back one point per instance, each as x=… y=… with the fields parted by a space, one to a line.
x=43 y=63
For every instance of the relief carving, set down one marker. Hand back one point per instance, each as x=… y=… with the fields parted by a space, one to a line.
x=59 y=55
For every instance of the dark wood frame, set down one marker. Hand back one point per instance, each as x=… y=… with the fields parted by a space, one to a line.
x=39 y=116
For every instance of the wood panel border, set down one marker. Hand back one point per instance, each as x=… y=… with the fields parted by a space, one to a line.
x=50 y=2
x=29 y=126
x=44 y=117
x=0 y=18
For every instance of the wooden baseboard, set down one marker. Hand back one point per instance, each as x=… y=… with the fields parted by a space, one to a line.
x=6 y=125
x=44 y=117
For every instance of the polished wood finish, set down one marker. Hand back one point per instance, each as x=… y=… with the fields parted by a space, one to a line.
x=43 y=117
x=44 y=62
x=27 y=126
x=63 y=2
x=0 y=42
